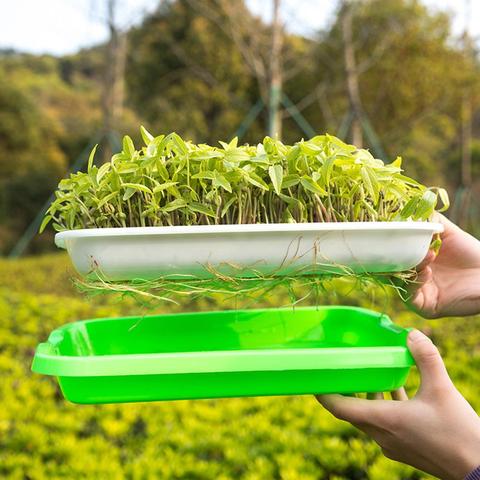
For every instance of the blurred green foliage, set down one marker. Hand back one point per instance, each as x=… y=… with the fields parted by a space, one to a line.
x=289 y=438
x=413 y=77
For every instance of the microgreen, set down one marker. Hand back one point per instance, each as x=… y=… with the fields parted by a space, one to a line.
x=170 y=181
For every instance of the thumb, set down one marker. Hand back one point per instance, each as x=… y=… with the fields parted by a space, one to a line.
x=432 y=370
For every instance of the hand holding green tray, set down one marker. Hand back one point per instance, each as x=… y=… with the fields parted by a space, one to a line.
x=226 y=354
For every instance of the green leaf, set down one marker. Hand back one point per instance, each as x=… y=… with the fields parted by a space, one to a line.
x=137 y=186
x=199 y=208
x=426 y=205
x=436 y=244
x=206 y=155
x=345 y=147
x=408 y=180
x=146 y=136
x=276 y=176
x=128 y=146
x=397 y=162
x=292 y=158
x=156 y=146
x=310 y=148
x=106 y=199
x=327 y=169
x=174 y=191
x=102 y=171
x=221 y=181
x=371 y=183
x=236 y=155
x=162 y=170
x=44 y=223
x=409 y=209
x=254 y=179
x=174 y=205
x=227 y=206
x=128 y=193
x=288 y=217
x=164 y=186
x=179 y=144
x=309 y=184
x=205 y=175
x=290 y=200
x=233 y=143
x=290 y=181
x=91 y=157
x=442 y=193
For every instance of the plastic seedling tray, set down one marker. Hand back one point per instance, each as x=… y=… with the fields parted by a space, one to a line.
x=152 y=252
x=226 y=354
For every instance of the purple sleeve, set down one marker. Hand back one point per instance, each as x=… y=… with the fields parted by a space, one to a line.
x=475 y=475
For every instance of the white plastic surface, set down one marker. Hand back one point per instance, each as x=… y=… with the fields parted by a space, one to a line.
x=242 y=250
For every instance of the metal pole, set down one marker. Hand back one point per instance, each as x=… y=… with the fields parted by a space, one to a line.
x=249 y=119
x=301 y=121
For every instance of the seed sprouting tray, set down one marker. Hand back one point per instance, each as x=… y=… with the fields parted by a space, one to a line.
x=246 y=250
x=226 y=354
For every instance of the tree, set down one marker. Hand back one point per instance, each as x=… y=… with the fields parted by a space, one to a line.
x=411 y=78
x=30 y=162
x=185 y=74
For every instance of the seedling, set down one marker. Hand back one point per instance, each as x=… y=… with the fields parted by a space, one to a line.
x=173 y=182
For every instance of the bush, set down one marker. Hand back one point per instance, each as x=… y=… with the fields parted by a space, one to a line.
x=43 y=436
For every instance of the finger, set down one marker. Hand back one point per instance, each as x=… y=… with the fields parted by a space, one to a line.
x=418 y=300
x=424 y=276
x=429 y=362
x=429 y=258
x=354 y=410
x=424 y=294
x=375 y=396
x=400 y=394
x=448 y=226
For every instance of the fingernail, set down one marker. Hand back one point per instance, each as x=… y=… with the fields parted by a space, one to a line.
x=415 y=336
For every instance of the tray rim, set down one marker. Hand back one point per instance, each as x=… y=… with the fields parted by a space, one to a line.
x=346 y=358
x=47 y=361
x=254 y=228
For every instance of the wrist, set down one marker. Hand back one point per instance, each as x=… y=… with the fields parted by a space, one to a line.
x=474 y=474
x=468 y=461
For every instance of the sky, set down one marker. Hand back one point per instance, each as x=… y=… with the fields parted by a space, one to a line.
x=64 y=26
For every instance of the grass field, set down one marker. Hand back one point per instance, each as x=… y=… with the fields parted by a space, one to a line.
x=43 y=436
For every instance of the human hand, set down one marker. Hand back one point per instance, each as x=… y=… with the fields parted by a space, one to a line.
x=449 y=283
x=437 y=431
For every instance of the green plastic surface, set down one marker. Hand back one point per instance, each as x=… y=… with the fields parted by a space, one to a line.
x=226 y=354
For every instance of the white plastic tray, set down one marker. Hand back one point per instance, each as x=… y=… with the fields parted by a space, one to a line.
x=241 y=250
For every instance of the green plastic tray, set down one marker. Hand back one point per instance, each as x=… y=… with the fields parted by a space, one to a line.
x=226 y=354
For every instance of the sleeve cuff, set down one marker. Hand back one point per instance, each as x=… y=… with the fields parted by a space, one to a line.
x=474 y=475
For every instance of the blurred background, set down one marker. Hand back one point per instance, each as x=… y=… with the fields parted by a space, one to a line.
x=400 y=77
